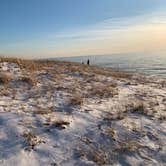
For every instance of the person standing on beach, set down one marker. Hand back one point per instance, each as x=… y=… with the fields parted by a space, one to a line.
x=88 y=62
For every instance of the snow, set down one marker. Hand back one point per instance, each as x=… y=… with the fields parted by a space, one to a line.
x=39 y=125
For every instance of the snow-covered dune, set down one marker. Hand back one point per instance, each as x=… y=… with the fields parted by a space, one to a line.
x=69 y=114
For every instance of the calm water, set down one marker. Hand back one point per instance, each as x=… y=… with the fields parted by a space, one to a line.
x=153 y=64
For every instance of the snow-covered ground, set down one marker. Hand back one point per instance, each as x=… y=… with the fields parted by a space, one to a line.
x=69 y=114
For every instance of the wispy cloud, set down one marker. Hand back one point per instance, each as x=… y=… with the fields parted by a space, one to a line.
x=111 y=35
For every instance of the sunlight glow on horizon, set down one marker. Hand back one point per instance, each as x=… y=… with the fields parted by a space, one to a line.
x=142 y=33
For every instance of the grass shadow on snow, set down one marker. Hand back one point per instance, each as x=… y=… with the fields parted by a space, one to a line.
x=10 y=142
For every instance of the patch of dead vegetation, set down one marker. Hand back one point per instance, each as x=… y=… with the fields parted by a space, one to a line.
x=94 y=70
x=30 y=80
x=162 y=117
x=111 y=73
x=114 y=116
x=133 y=106
x=109 y=154
x=31 y=140
x=140 y=107
x=58 y=123
x=49 y=66
x=112 y=133
x=136 y=107
x=28 y=65
x=103 y=91
x=5 y=91
x=76 y=100
x=91 y=79
x=42 y=111
x=5 y=78
x=127 y=146
x=93 y=152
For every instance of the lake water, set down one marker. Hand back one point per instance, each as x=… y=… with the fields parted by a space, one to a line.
x=151 y=64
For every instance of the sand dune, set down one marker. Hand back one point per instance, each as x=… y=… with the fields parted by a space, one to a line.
x=61 y=113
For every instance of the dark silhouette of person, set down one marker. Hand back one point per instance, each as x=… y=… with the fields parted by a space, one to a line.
x=88 y=62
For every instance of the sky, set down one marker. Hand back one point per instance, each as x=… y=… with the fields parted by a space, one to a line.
x=56 y=28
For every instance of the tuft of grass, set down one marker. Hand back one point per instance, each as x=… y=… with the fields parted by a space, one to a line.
x=31 y=140
x=5 y=78
x=27 y=79
x=95 y=153
x=76 y=100
x=162 y=117
x=29 y=65
x=130 y=146
x=43 y=111
x=109 y=154
x=103 y=91
x=5 y=91
x=118 y=116
x=111 y=73
x=59 y=123
x=138 y=107
x=112 y=132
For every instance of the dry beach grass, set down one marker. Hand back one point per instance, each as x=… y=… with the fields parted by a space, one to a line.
x=73 y=114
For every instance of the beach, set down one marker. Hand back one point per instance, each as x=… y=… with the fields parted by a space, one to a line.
x=67 y=113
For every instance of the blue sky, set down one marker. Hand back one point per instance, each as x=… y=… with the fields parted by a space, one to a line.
x=50 y=28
